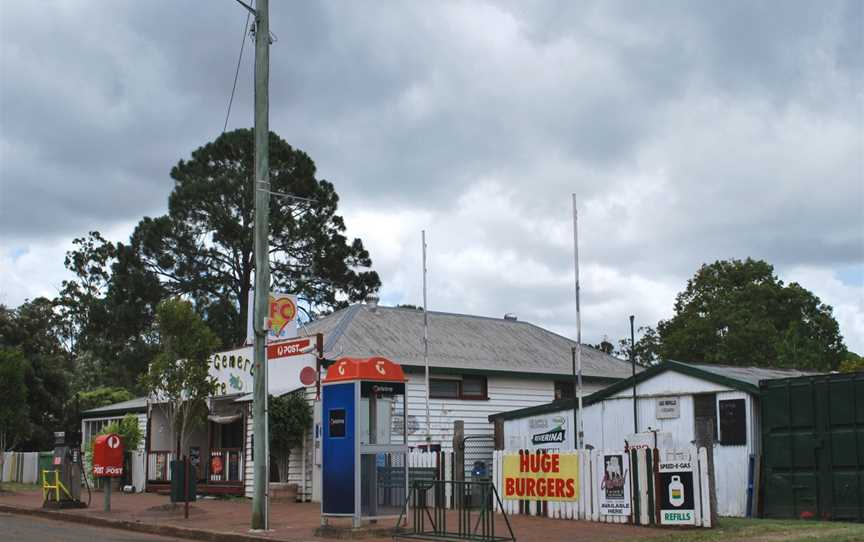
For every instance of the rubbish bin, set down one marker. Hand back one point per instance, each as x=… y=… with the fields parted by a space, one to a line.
x=478 y=489
x=178 y=479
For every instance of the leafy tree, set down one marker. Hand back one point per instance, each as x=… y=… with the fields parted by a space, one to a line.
x=646 y=349
x=107 y=312
x=33 y=330
x=14 y=418
x=203 y=247
x=178 y=378
x=853 y=363
x=289 y=417
x=605 y=346
x=739 y=313
x=100 y=397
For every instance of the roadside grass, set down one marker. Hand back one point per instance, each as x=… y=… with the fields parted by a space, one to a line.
x=15 y=487
x=743 y=530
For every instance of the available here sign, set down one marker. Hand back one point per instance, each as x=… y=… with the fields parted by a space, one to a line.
x=541 y=476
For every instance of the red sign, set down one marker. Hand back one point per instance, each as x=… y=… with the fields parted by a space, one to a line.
x=108 y=456
x=380 y=369
x=308 y=376
x=286 y=349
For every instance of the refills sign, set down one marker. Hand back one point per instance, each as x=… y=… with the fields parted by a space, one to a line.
x=677 y=503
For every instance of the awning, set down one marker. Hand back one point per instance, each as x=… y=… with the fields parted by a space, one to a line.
x=224 y=419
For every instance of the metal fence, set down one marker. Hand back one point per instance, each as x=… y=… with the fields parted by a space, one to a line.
x=478 y=450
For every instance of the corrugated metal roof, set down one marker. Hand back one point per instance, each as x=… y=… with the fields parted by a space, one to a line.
x=139 y=403
x=457 y=341
x=750 y=375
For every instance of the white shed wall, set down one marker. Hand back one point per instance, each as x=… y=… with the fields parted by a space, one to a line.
x=609 y=422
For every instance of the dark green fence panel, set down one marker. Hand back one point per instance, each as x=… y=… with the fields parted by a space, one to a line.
x=813 y=447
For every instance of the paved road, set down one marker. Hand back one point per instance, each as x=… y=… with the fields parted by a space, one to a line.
x=33 y=529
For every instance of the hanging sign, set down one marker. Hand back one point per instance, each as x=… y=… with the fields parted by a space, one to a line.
x=295 y=347
x=677 y=503
x=281 y=317
x=541 y=476
x=614 y=481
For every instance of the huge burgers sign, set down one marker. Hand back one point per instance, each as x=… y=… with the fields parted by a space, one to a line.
x=541 y=476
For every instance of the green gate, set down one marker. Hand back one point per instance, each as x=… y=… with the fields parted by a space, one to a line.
x=813 y=447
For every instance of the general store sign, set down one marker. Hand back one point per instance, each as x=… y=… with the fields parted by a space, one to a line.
x=541 y=476
x=668 y=408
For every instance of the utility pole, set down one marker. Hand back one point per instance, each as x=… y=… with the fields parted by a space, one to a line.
x=260 y=497
x=633 y=363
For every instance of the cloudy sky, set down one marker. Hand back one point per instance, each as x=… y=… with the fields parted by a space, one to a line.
x=689 y=131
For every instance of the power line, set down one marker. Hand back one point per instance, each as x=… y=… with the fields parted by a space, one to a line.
x=236 y=71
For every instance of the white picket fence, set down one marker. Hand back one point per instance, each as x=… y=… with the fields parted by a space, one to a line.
x=441 y=461
x=587 y=506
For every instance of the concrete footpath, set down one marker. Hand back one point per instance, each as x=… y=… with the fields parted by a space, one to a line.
x=228 y=520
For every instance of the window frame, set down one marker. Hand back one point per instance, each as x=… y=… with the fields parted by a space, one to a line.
x=460 y=389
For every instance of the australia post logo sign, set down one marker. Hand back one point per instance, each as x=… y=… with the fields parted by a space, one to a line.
x=108 y=456
x=541 y=476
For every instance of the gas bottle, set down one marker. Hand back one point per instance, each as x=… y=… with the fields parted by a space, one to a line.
x=676 y=491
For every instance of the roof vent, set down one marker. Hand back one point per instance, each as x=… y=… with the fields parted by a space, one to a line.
x=510 y=316
x=372 y=302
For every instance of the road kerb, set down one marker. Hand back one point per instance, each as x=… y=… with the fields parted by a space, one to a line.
x=161 y=530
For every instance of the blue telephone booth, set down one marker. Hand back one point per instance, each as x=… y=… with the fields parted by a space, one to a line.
x=364 y=445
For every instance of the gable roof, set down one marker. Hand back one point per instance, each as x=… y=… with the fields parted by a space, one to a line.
x=744 y=379
x=139 y=404
x=458 y=342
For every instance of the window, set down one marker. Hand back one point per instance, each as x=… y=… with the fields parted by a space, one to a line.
x=474 y=387
x=470 y=387
x=705 y=414
x=733 y=422
x=564 y=389
x=443 y=389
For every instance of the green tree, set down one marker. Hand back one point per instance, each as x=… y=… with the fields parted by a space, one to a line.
x=852 y=363
x=33 y=330
x=739 y=313
x=289 y=417
x=14 y=416
x=646 y=350
x=203 y=247
x=178 y=379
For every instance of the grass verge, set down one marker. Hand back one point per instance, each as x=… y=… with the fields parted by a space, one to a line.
x=745 y=530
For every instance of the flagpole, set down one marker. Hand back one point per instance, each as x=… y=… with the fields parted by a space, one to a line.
x=579 y=436
x=426 y=350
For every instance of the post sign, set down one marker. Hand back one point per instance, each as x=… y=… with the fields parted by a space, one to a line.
x=614 y=481
x=108 y=456
x=677 y=502
x=285 y=349
x=668 y=408
x=541 y=476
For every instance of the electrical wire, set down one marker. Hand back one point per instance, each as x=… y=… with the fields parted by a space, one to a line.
x=236 y=72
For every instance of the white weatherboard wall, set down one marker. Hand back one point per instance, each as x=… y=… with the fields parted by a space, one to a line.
x=505 y=393
x=609 y=422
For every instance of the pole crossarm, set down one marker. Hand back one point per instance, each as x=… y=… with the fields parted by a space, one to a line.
x=248 y=7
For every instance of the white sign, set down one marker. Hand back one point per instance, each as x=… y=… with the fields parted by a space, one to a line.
x=650 y=439
x=234 y=371
x=281 y=319
x=668 y=408
x=677 y=500
x=613 y=475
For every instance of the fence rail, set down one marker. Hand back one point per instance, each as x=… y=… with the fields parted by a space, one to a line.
x=642 y=486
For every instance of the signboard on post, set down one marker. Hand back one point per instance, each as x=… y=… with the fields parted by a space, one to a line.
x=677 y=502
x=614 y=481
x=281 y=318
x=541 y=476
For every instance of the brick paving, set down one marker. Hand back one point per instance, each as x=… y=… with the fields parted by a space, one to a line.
x=298 y=521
